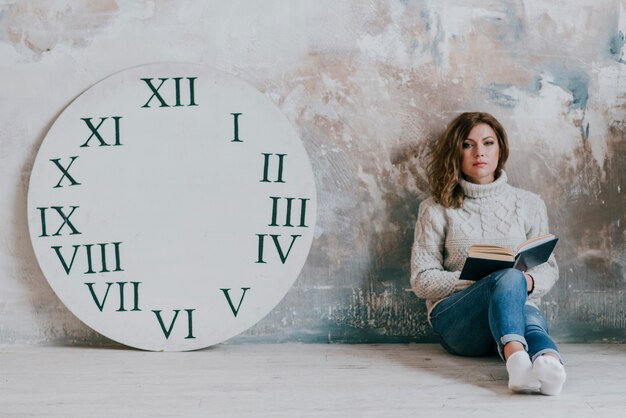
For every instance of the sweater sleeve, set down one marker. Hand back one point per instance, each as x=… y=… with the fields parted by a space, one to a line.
x=429 y=279
x=545 y=274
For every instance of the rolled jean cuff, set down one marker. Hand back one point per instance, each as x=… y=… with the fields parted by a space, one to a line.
x=505 y=339
x=545 y=351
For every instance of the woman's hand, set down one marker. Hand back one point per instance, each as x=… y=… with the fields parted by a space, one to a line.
x=530 y=283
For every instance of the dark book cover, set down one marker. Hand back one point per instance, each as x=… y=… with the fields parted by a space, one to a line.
x=477 y=268
x=534 y=256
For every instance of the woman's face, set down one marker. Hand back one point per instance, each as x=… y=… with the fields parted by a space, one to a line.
x=480 y=154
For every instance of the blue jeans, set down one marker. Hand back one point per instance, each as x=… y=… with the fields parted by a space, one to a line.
x=483 y=318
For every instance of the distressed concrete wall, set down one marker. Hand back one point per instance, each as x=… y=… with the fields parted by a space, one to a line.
x=367 y=85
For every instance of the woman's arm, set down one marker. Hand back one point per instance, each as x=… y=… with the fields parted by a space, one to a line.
x=429 y=279
x=546 y=274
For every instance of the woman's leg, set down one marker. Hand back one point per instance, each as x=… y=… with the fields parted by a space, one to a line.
x=462 y=324
x=488 y=313
x=547 y=362
x=536 y=334
x=508 y=324
x=469 y=321
x=506 y=308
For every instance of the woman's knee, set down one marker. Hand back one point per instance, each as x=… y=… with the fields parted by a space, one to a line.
x=510 y=277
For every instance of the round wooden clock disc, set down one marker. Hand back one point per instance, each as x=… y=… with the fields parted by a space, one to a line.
x=171 y=206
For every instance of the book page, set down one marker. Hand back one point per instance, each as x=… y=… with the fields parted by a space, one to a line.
x=534 y=242
x=490 y=249
x=491 y=256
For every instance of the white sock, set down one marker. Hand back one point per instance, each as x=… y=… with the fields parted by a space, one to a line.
x=551 y=373
x=520 y=368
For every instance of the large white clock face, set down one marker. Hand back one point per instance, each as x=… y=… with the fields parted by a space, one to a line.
x=171 y=206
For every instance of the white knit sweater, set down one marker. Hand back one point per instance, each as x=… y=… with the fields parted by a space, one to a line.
x=494 y=213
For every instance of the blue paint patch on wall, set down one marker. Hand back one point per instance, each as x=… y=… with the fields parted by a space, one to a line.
x=536 y=85
x=496 y=95
x=437 y=36
x=584 y=131
x=513 y=23
x=616 y=47
x=426 y=18
x=575 y=83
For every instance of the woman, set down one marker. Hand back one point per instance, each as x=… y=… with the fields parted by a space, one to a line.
x=472 y=203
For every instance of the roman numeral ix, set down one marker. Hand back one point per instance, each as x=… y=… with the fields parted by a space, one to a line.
x=64 y=217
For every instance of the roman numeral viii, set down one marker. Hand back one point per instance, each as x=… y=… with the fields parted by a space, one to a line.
x=102 y=251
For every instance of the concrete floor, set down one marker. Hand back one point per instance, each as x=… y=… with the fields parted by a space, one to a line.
x=297 y=380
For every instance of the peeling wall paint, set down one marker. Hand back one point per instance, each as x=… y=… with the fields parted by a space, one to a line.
x=37 y=27
x=367 y=86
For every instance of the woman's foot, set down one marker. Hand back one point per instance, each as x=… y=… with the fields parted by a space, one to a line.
x=520 y=368
x=551 y=373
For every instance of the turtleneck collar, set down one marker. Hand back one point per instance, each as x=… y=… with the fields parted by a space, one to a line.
x=476 y=191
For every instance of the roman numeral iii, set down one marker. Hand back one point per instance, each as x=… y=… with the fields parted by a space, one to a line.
x=288 y=204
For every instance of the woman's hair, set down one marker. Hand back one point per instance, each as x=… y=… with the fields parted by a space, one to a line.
x=444 y=168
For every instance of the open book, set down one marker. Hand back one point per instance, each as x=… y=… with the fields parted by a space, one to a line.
x=483 y=260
